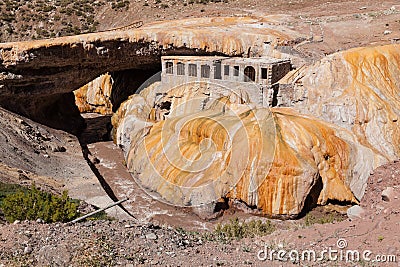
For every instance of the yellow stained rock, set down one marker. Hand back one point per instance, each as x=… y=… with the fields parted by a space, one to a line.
x=95 y=96
x=357 y=89
x=278 y=161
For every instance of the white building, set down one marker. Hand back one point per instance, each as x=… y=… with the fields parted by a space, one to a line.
x=258 y=75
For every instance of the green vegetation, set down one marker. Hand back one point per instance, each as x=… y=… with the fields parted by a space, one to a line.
x=234 y=229
x=102 y=215
x=8 y=189
x=32 y=204
x=238 y=230
x=22 y=203
x=118 y=4
x=166 y=4
x=39 y=19
x=310 y=219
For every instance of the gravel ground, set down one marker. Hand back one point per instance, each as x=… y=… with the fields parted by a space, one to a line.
x=129 y=243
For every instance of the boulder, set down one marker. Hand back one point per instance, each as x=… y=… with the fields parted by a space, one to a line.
x=388 y=194
x=355 y=212
x=278 y=162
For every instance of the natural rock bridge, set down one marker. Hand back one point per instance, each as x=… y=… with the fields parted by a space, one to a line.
x=37 y=78
x=353 y=93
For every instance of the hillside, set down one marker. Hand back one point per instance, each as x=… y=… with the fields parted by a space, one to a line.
x=340 y=24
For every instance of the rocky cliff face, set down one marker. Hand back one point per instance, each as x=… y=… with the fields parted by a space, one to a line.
x=46 y=70
x=359 y=90
x=64 y=64
x=95 y=96
x=278 y=162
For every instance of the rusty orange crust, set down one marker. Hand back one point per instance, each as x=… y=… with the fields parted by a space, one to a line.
x=284 y=162
x=275 y=173
x=357 y=89
x=376 y=84
x=95 y=96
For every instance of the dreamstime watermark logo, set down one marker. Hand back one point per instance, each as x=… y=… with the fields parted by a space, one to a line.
x=340 y=253
x=206 y=135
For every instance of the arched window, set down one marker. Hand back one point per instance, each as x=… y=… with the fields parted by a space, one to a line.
x=249 y=74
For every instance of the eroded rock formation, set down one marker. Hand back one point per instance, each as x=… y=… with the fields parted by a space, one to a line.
x=278 y=162
x=359 y=90
x=95 y=96
x=193 y=148
x=45 y=70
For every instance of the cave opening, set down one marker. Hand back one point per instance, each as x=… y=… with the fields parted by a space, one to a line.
x=99 y=99
x=221 y=205
x=312 y=198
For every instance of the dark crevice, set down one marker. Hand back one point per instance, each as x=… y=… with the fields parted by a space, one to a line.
x=340 y=203
x=165 y=105
x=312 y=197
x=97 y=129
x=57 y=111
x=274 y=101
x=128 y=82
x=221 y=205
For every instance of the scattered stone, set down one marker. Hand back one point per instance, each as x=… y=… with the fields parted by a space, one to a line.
x=17 y=221
x=151 y=236
x=58 y=149
x=28 y=233
x=170 y=253
x=355 y=212
x=59 y=255
x=27 y=250
x=39 y=221
x=388 y=194
x=386 y=32
x=46 y=156
x=93 y=159
x=22 y=176
x=379 y=209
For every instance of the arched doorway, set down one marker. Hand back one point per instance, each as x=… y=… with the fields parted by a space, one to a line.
x=249 y=74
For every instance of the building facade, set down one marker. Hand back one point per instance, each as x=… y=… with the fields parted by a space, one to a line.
x=257 y=75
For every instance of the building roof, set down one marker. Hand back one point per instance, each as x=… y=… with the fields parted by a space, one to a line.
x=193 y=58
x=237 y=60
